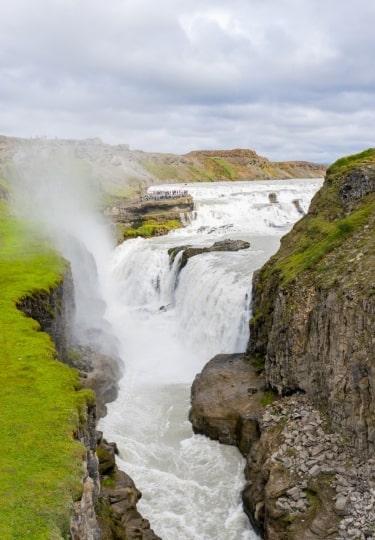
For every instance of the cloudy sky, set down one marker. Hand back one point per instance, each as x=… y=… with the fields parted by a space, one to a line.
x=291 y=79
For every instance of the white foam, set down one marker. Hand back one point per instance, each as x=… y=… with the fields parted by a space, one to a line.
x=169 y=325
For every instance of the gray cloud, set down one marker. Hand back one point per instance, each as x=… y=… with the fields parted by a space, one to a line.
x=292 y=79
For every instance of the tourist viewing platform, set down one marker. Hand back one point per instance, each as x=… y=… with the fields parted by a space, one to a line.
x=155 y=200
x=165 y=194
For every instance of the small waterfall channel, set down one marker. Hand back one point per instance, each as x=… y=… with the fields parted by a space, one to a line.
x=168 y=324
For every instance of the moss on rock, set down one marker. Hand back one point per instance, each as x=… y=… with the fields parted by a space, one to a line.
x=151 y=227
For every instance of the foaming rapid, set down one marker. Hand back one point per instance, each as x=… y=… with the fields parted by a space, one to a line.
x=169 y=324
x=248 y=207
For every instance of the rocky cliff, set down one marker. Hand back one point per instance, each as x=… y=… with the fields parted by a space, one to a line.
x=311 y=468
x=314 y=304
x=106 y=509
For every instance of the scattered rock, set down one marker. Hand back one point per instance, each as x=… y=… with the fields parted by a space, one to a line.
x=300 y=478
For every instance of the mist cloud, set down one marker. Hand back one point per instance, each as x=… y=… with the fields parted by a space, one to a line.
x=55 y=193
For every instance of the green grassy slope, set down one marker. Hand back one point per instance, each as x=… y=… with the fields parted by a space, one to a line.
x=40 y=462
x=329 y=225
x=331 y=248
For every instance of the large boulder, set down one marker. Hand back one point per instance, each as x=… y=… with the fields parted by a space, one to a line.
x=225 y=400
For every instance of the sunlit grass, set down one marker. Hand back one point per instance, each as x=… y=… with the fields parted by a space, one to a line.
x=40 y=408
x=347 y=163
x=321 y=238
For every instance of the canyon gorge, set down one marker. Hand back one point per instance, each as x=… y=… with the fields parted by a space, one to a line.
x=293 y=388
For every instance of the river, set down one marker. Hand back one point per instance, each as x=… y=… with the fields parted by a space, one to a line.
x=168 y=324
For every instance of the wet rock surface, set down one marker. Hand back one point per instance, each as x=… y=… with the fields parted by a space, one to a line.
x=116 y=508
x=191 y=251
x=99 y=372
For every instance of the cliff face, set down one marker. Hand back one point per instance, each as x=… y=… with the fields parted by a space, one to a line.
x=54 y=312
x=107 y=507
x=314 y=304
x=310 y=465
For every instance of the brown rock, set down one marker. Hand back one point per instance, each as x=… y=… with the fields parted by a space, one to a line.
x=220 y=401
x=116 y=509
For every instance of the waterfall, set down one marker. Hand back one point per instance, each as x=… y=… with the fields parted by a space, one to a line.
x=165 y=324
x=169 y=323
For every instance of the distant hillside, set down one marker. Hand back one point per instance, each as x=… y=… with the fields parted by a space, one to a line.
x=121 y=172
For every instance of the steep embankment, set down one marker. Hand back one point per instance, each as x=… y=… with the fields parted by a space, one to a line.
x=314 y=303
x=309 y=441
x=59 y=478
x=41 y=407
x=120 y=172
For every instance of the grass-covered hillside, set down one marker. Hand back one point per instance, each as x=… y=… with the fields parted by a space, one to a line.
x=332 y=248
x=340 y=222
x=40 y=407
x=122 y=173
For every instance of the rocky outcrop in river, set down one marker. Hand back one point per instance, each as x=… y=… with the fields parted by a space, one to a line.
x=191 y=251
x=311 y=471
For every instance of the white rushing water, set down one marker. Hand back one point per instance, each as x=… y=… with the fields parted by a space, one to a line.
x=169 y=325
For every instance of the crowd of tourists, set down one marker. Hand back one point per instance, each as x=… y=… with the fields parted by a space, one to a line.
x=166 y=194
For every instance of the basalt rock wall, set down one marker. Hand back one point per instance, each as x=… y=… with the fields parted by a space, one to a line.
x=322 y=345
x=54 y=311
x=314 y=304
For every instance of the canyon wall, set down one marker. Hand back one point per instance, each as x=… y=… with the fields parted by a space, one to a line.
x=107 y=508
x=314 y=305
x=310 y=460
